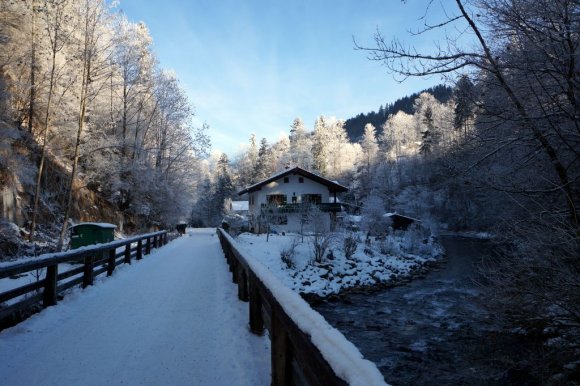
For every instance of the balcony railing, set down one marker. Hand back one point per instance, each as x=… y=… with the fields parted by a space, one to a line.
x=297 y=208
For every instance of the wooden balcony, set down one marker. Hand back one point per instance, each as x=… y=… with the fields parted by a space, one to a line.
x=297 y=208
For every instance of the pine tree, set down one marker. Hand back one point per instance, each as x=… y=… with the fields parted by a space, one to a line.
x=319 y=146
x=263 y=167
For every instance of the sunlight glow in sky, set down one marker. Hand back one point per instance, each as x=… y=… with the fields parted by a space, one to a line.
x=252 y=66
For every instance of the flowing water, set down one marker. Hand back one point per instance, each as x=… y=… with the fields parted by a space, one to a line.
x=433 y=330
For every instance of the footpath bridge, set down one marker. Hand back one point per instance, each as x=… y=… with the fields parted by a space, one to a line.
x=175 y=319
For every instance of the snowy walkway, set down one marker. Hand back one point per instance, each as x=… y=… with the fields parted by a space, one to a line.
x=172 y=318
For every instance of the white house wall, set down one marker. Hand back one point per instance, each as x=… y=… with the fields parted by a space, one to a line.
x=289 y=189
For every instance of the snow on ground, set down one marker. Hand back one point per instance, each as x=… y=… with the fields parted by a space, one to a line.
x=374 y=262
x=172 y=318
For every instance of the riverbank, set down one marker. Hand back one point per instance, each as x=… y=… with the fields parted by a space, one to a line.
x=375 y=264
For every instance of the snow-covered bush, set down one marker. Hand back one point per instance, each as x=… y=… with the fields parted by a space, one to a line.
x=320 y=244
x=350 y=244
x=390 y=246
x=416 y=240
x=287 y=254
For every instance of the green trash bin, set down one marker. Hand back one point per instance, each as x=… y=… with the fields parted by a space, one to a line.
x=89 y=233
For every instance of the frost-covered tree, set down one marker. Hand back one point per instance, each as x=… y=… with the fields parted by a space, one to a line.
x=246 y=164
x=265 y=163
x=300 y=145
x=319 y=140
x=399 y=138
x=54 y=19
x=92 y=49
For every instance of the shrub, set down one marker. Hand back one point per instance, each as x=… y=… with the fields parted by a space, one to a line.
x=349 y=244
x=287 y=254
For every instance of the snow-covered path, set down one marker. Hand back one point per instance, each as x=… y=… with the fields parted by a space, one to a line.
x=172 y=318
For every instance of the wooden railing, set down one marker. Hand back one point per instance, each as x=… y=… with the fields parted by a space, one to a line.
x=305 y=349
x=95 y=260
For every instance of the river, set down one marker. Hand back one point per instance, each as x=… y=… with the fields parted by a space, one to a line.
x=432 y=330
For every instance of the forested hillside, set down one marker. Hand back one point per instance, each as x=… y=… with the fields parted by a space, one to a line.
x=91 y=128
x=355 y=127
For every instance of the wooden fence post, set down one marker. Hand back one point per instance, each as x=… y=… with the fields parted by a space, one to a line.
x=127 y=259
x=281 y=354
x=242 y=285
x=256 y=319
x=111 y=261
x=230 y=258
x=234 y=271
x=50 y=285
x=148 y=246
x=139 y=249
x=88 y=271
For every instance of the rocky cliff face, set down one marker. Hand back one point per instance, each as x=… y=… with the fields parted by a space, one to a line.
x=18 y=168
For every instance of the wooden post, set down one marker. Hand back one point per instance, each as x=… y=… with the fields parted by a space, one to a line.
x=242 y=285
x=234 y=270
x=111 y=262
x=281 y=354
x=230 y=258
x=127 y=259
x=148 y=246
x=165 y=238
x=256 y=319
x=88 y=271
x=139 y=249
x=50 y=284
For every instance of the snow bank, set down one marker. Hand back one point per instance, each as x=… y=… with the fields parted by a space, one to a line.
x=376 y=262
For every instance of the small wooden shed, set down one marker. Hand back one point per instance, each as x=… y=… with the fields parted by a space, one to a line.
x=401 y=222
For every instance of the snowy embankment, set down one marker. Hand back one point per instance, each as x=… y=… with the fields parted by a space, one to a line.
x=343 y=356
x=172 y=318
x=375 y=262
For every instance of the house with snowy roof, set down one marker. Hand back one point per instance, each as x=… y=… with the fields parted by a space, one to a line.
x=281 y=201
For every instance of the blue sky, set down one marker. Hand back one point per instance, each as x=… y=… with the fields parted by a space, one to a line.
x=253 y=66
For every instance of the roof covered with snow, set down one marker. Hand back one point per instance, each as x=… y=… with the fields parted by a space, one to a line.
x=333 y=187
x=395 y=214
x=97 y=224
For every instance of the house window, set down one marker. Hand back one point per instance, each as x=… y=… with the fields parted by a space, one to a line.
x=277 y=199
x=286 y=180
x=301 y=180
x=311 y=198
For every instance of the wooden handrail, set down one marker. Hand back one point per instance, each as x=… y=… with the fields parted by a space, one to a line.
x=305 y=349
x=92 y=257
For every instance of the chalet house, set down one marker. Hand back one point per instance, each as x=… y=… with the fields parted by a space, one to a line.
x=281 y=200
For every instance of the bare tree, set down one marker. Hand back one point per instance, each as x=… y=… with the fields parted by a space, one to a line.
x=525 y=144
